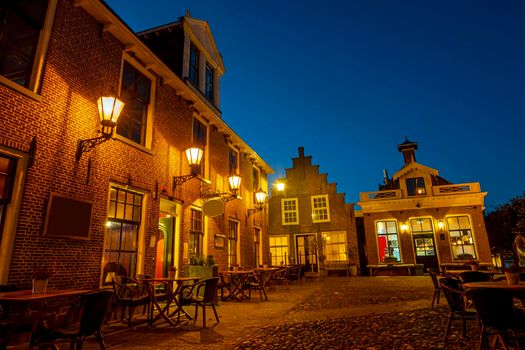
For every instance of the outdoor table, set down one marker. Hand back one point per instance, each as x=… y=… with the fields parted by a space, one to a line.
x=238 y=280
x=451 y=266
x=38 y=302
x=502 y=284
x=171 y=297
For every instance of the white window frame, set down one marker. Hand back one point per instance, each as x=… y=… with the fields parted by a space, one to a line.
x=328 y=242
x=40 y=55
x=285 y=249
x=454 y=257
x=284 y=212
x=397 y=233
x=320 y=209
x=151 y=107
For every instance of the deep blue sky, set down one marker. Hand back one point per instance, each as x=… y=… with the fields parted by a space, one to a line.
x=349 y=79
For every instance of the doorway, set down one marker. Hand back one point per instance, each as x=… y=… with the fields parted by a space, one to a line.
x=425 y=251
x=306 y=251
x=168 y=239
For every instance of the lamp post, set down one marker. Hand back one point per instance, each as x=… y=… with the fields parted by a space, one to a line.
x=194 y=157
x=109 y=109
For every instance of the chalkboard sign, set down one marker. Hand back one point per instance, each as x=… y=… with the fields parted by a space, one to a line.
x=68 y=217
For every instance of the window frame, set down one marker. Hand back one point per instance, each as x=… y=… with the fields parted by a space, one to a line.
x=314 y=209
x=284 y=249
x=147 y=129
x=233 y=242
x=195 y=234
x=40 y=53
x=209 y=84
x=194 y=67
x=284 y=211
x=413 y=192
x=471 y=235
x=196 y=127
x=233 y=155
x=327 y=240
x=387 y=234
x=421 y=232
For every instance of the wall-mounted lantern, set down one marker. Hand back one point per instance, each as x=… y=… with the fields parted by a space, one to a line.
x=109 y=109
x=234 y=182
x=194 y=157
x=404 y=227
x=260 y=200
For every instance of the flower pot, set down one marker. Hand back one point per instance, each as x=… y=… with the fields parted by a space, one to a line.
x=39 y=286
x=512 y=277
x=353 y=270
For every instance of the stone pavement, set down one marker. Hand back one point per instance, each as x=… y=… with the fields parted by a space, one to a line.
x=334 y=313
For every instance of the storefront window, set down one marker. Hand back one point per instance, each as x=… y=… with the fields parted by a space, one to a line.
x=387 y=240
x=461 y=240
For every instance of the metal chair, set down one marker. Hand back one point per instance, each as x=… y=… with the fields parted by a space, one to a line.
x=258 y=282
x=453 y=291
x=94 y=308
x=129 y=293
x=435 y=276
x=498 y=317
x=192 y=294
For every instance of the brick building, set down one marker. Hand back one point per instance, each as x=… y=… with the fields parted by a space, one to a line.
x=418 y=217
x=121 y=206
x=310 y=219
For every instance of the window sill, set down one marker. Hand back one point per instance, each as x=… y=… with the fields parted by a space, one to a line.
x=19 y=88
x=133 y=144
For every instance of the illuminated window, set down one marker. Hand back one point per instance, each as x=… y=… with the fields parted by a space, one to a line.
x=208 y=88
x=196 y=233
x=320 y=208
x=233 y=234
x=335 y=246
x=460 y=235
x=193 y=74
x=122 y=232
x=7 y=176
x=387 y=240
x=21 y=30
x=416 y=186
x=200 y=139
x=423 y=234
x=279 y=250
x=290 y=211
x=135 y=92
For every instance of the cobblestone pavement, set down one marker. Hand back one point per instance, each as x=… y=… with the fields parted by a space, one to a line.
x=335 y=313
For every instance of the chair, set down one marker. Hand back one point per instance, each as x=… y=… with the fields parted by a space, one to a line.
x=497 y=316
x=94 y=307
x=258 y=282
x=453 y=291
x=294 y=274
x=435 y=276
x=192 y=294
x=281 y=277
x=474 y=276
x=129 y=293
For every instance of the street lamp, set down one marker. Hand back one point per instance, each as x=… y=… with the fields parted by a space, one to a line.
x=260 y=199
x=109 y=109
x=194 y=157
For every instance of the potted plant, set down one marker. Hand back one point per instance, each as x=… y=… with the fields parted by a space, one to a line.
x=352 y=266
x=203 y=267
x=40 y=279
x=172 y=271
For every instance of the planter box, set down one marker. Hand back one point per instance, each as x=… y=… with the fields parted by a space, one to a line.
x=201 y=271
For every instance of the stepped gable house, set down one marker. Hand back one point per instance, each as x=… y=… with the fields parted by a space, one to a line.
x=127 y=201
x=310 y=220
x=418 y=217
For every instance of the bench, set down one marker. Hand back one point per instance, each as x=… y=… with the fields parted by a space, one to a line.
x=394 y=269
x=337 y=266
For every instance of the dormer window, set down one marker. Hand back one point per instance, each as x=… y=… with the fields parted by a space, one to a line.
x=208 y=89
x=416 y=186
x=193 y=74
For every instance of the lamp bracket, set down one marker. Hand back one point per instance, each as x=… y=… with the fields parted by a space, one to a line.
x=179 y=180
x=224 y=196
x=87 y=145
x=254 y=210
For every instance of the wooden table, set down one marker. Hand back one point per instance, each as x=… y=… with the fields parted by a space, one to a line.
x=171 y=298
x=34 y=314
x=497 y=285
x=237 y=281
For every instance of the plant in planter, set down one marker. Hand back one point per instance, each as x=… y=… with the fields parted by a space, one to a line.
x=203 y=267
x=390 y=260
x=350 y=255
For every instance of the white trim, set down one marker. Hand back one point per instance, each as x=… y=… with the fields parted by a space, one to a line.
x=296 y=200
x=13 y=209
x=312 y=198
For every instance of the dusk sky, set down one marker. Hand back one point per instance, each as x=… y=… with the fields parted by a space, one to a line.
x=348 y=80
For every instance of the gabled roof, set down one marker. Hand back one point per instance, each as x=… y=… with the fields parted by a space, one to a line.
x=200 y=34
x=412 y=168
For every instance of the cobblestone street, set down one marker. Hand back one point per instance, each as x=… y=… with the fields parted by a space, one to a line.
x=335 y=313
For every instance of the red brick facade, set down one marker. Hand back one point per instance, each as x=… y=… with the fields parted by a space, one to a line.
x=82 y=62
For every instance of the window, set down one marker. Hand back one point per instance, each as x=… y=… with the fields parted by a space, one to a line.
x=135 y=93
x=256 y=179
x=233 y=232
x=256 y=245
x=200 y=139
x=208 y=89
x=233 y=161
x=7 y=176
x=423 y=236
x=320 y=209
x=387 y=240
x=335 y=245
x=416 y=186
x=278 y=250
x=196 y=233
x=122 y=232
x=193 y=74
x=290 y=212
x=460 y=234
x=21 y=24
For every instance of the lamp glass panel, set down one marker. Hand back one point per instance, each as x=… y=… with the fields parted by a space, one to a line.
x=235 y=182
x=109 y=108
x=260 y=197
x=194 y=155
